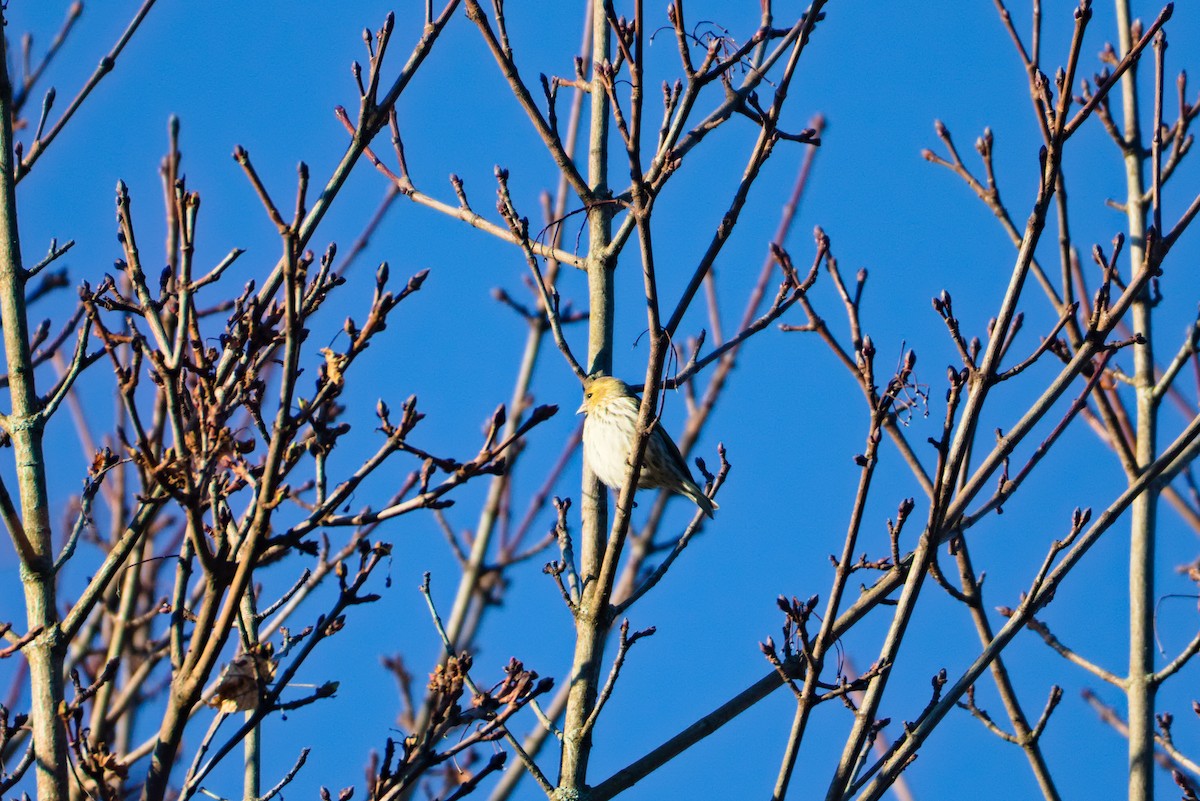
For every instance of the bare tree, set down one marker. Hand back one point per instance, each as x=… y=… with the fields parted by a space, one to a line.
x=225 y=503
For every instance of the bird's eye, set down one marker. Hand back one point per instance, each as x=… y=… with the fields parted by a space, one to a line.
x=589 y=394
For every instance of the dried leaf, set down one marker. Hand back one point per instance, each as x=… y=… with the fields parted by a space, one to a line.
x=335 y=363
x=238 y=689
x=109 y=763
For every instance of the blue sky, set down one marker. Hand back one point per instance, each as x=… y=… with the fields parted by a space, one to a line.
x=267 y=76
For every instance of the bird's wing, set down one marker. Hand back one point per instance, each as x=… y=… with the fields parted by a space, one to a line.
x=673 y=453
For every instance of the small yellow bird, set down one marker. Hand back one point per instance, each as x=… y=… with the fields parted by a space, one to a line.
x=608 y=433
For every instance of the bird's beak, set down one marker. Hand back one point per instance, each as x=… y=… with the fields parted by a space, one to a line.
x=582 y=408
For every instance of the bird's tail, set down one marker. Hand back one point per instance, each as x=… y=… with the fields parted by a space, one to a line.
x=697 y=496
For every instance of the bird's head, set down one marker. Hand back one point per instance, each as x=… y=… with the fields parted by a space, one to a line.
x=598 y=390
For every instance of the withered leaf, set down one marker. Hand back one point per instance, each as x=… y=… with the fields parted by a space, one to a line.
x=335 y=363
x=237 y=691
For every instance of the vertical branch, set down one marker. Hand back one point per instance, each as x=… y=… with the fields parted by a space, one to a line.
x=25 y=426
x=1140 y=688
x=589 y=623
x=252 y=747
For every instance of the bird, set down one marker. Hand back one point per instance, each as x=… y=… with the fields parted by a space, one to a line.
x=608 y=433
